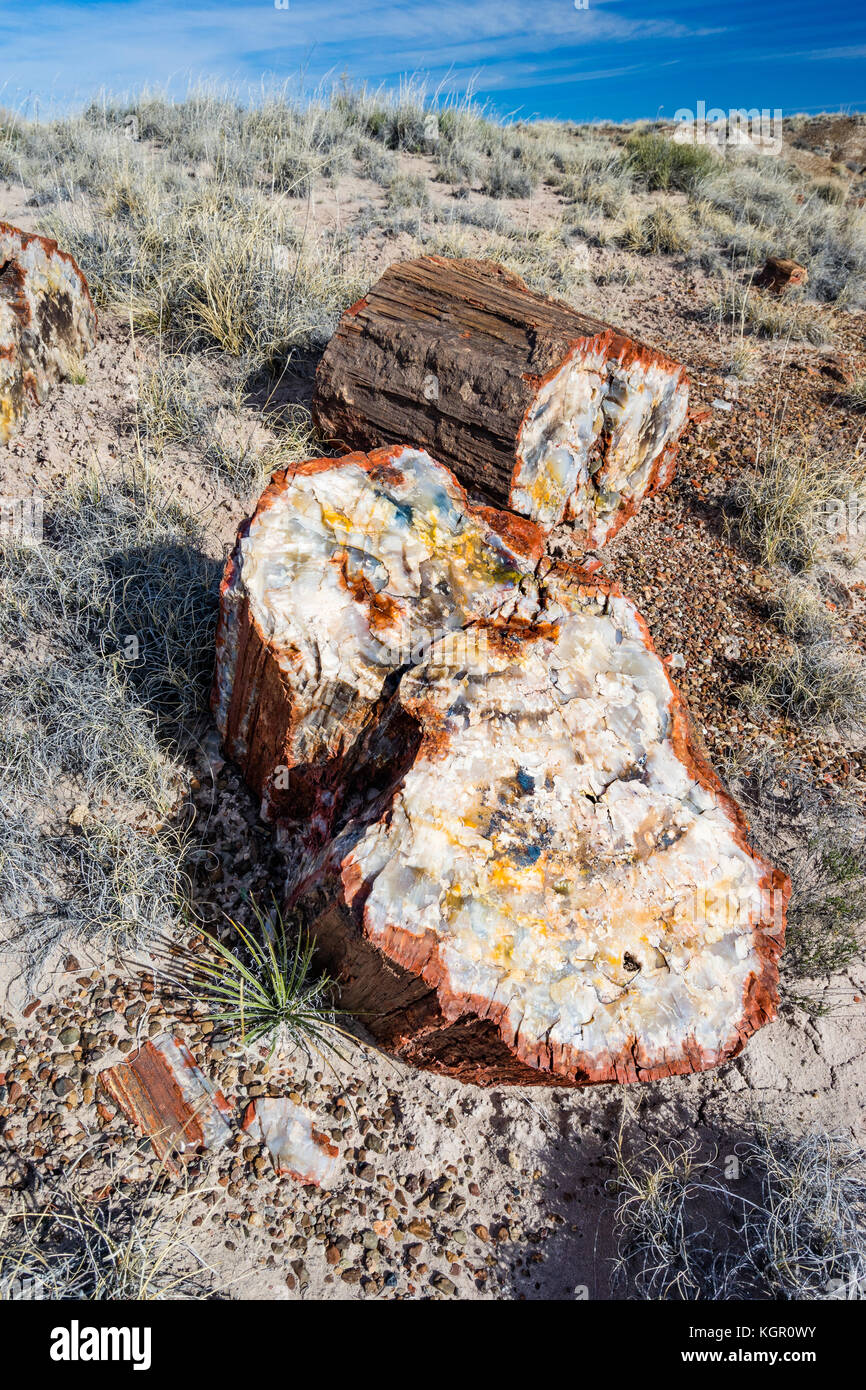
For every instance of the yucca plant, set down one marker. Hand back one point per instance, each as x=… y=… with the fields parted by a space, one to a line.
x=268 y=989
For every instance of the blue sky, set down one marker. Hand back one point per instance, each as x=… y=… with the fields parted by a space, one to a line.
x=619 y=59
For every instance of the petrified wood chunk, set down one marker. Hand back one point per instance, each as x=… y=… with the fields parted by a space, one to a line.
x=507 y=842
x=533 y=405
x=297 y=1148
x=163 y=1091
x=47 y=322
x=345 y=574
x=779 y=274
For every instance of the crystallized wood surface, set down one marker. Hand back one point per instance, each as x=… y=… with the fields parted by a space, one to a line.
x=496 y=818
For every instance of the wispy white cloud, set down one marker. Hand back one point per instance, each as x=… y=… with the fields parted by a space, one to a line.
x=121 y=43
x=69 y=48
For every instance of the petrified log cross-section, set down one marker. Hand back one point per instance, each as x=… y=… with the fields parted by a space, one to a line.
x=47 y=322
x=496 y=818
x=539 y=408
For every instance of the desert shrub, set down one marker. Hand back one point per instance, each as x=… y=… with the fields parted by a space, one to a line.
x=831 y=192
x=374 y=162
x=827 y=911
x=293 y=173
x=170 y=403
x=832 y=244
x=8 y=162
x=265 y=990
x=458 y=163
x=508 y=176
x=665 y=164
x=776 y=209
x=759 y=193
x=819 y=838
x=408 y=191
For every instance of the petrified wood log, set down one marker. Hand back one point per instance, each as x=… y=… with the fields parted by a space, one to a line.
x=496 y=818
x=536 y=407
x=47 y=322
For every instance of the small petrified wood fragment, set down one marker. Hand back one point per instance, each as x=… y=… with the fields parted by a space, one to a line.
x=163 y=1091
x=533 y=405
x=507 y=843
x=47 y=322
x=780 y=274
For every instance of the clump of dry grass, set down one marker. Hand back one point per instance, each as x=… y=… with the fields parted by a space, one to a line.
x=662 y=231
x=130 y=1243
x=108 y=635
x=663 y=1248
x=780 y=510
x=769 y=317
x=177 y=405
x=812 y=683
x=854 y=395
x=800 y=610
x=805 y=1236
x=790 y=1225
x=223 y=266
x=541 y=257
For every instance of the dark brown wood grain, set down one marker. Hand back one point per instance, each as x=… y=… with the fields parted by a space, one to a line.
x=448 y=355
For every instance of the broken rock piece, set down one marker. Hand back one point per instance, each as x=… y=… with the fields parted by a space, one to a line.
x=47 y=322
x=780 y=274
x=346 y=574
x=167 y=1096
x=289 y=1134
x=535 y=877
x=542 y=409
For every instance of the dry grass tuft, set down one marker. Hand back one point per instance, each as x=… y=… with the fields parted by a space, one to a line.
x=127 y=1244
x=663 y=231
x=812 y=683
x=108 y=630
x=782 y=510
x=790 y=1225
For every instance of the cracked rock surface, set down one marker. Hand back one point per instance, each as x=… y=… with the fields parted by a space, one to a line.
x=515 y=856
x=47 y=322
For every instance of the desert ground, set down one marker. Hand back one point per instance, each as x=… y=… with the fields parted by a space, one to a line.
x=221 y=245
